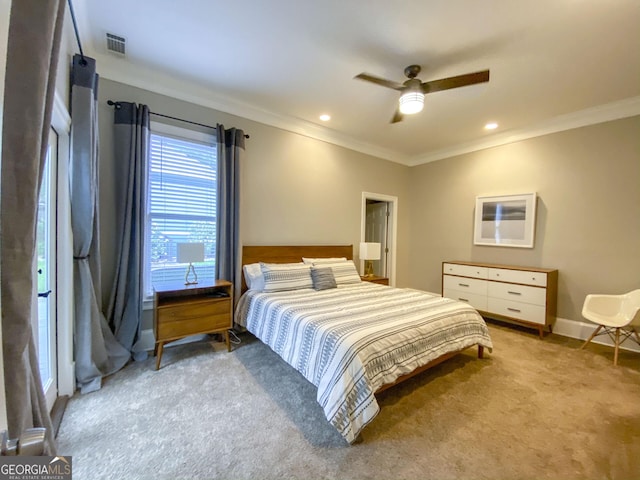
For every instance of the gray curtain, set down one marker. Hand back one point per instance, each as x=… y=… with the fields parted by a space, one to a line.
x=230 y=154
x=32 y=55
x=97 y=352
x=131 y=147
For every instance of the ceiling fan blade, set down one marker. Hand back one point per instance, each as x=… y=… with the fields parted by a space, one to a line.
x=397 y=117
x=455 y=82
x=380 y=81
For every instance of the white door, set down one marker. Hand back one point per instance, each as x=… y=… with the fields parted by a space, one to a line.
x=377 y=229
x=46 y=320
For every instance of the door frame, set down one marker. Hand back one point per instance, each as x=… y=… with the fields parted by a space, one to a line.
x=61 y=123
x=5 y=10
x=392 y=225
x=50 y=178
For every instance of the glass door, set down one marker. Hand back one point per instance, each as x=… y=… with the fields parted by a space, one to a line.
x=45 y=330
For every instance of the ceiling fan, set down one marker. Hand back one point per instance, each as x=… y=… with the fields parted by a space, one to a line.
x=413 y=90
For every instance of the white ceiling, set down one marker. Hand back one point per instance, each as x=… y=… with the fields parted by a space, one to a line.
x=554 y=64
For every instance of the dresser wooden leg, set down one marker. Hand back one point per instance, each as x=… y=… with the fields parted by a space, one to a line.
x=159 y=346
x=226 y=335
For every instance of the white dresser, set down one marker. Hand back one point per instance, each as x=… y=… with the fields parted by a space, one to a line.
x=524 y=295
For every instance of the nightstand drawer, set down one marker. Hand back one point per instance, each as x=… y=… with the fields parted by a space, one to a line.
x=192 y=318
x=375 y=279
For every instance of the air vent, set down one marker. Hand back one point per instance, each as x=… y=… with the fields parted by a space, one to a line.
x=115 y=44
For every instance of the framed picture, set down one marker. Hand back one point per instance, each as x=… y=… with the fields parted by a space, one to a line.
x=505 y=220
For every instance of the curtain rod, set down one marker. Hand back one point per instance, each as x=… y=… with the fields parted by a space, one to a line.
x=75 y=28
x=117 y=105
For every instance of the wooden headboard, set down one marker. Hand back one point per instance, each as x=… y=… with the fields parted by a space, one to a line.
x=290 y=254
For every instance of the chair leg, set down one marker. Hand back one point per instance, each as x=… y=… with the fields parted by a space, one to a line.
x=637 y=336
x=615 y=355
x=591 y=337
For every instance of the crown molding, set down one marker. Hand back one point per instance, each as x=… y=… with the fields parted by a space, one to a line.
x=120 y=70
x=627 y=107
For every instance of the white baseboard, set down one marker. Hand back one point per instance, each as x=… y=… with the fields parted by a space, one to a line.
x=583 y=330
x=148 y=340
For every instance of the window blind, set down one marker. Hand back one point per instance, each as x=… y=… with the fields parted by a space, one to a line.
x=181 y=207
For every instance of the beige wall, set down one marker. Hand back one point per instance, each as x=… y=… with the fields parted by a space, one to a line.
x=300 y=190
x=295 y=190
x=588 y=218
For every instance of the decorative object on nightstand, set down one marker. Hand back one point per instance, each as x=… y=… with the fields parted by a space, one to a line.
x=375 y=279
x=190 y=253
x=369 y=251
x=180 y=311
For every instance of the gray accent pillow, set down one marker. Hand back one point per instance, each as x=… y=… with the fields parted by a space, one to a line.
x=323 y=278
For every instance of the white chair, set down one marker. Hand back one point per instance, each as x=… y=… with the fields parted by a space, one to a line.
x=617 y=314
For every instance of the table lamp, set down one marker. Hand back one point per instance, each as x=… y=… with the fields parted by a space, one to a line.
x=369 y=251
x=190 y=253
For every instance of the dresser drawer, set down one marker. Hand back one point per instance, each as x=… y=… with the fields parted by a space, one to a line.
x=463 y=284
x=519 y=310
x=518 y=293
x=518 y=276
x=479 y=302
x=465 y=270
x=193 y=318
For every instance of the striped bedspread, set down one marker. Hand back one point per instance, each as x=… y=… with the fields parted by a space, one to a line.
x=351 y=340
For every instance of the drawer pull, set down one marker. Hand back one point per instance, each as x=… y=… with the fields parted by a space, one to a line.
x=463 y=299
x=514 y=293
x=513 y=309
x=463 y=284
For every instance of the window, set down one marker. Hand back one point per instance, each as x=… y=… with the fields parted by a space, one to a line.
x=181 y=203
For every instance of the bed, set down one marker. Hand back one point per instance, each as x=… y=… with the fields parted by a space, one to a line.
x=357 y=339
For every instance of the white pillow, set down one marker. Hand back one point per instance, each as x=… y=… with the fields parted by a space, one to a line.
x=345 y=273
x=316 y=261
x=253 y=276
x=279 y=277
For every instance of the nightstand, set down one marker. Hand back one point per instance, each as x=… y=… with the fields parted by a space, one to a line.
x=181 y=310
x=375 y=279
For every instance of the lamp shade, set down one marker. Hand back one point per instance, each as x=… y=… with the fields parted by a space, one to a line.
x=411 y=102
x=190 y=252
x=369 y=251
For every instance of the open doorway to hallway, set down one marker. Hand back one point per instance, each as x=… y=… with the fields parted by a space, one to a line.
x=379 y=213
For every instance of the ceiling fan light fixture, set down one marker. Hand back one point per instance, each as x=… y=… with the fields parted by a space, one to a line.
x=411 y=102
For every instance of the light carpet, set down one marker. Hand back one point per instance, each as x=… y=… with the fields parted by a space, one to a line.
x=532 y=409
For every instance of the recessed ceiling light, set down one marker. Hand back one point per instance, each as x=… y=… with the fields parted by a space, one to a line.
x=325 y=118
x=491 y=126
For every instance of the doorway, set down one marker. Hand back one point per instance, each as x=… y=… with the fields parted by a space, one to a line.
x=379 y=214
x=45 y=332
